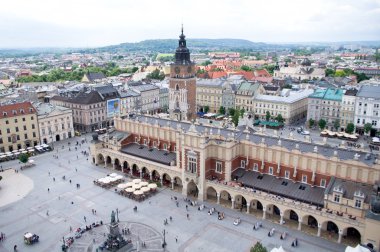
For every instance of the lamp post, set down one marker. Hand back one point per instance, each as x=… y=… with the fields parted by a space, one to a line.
x=164 y=243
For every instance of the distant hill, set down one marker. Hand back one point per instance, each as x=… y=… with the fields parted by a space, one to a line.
x=169 y=45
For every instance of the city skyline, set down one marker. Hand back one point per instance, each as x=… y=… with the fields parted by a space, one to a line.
x=99 y=23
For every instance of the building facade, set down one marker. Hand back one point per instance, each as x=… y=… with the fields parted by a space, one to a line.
x=209 y=94
x=367 y=108
x=149 y=97
x=302 y=71
x=164 y=99
x=348 y=108
x=323 y=190
x=245 y=95
x=89 y=110
x=291 y=105
x=18 y=127
x=182 y=84
x=325 y=104
x=55 y=122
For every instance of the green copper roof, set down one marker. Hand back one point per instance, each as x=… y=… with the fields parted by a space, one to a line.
x=328 y=94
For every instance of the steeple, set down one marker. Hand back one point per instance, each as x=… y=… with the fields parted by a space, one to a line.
x=182 y=53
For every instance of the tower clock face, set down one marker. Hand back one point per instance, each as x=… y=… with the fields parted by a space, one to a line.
x=189 y=69
x=177 y=70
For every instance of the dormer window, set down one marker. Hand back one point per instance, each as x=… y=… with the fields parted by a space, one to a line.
x=14 y=112
x=359 y=194
x=22 y=111
x=30 y=109
x=165 y=146
x=4 y=113
x=338 y=189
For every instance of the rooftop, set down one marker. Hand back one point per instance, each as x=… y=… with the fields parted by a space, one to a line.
x=152 y=154
x=293 y=96
x=17 y=109
x=369 y=91
x=328 y=94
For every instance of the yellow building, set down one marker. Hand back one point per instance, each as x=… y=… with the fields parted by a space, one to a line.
x=209 y=93
x=18 y=127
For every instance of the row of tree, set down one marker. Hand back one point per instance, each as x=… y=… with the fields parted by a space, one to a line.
x=77 y=74
x=350 y=128
x=345 y=72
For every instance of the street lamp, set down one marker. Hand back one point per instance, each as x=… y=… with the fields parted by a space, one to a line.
x=164 y=243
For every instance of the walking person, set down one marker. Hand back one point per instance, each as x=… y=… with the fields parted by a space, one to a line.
x=85 y=219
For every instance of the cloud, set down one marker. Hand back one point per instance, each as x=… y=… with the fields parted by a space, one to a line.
x=25 y=23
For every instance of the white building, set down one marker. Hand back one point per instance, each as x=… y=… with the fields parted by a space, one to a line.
x=367 y=108
x=348 y=108
x=149 y=97
x=303 y=71
x=55 y=122
x=292 y=105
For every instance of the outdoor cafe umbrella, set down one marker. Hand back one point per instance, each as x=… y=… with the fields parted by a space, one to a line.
x=136 y=181
x=129 y=184
x=113 y=175
x=24 y=152
x=138 y=192
x=118 y=177
x=136 y=186
x=152 y=186
x=122 y=186
x=130 y=189
x=144 y=183
x=145 y=189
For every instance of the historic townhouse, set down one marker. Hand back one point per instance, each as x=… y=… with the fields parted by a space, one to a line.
x=210 y=93
x=367 y=108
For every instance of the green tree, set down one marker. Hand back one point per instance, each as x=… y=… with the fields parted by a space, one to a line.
x=258 y=248
x=350 y=128
x=156 y=75
x=242 y=111
x=23 y=158
x=267 y=115
x=235 y=118
x=246 y=68
x=367 y=127
x=206 y=109
x=329 y=72
x=270 y=68
x=311 y=122
x=231 y=111
x=322 y=124
x=336 y=124
x=222 y=110
x=279 y=118
x=206 y=63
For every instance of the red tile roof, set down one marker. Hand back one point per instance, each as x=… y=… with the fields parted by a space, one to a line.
x=18 y=109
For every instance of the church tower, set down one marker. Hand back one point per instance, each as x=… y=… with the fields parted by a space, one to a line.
x=182 y=84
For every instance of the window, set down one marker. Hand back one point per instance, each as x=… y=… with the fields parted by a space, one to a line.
x=33 y=126
x=63 y=126
x=304 y=178
x=43 y=131
x=323 y=183
x=18 y=137
x=136 y=141
x=358 y=203
x=6 y=122
x=255 y=167
x=271 y=170
x=8 y=130
x=1 y=140
x=32 y=118
x=337 y=198
x=287 y=174
x=218 y=168
x=165 y=146
x=9 y=140
x=145 y=141
x=16 y=129
x=374 y=123
x=192 y=164
x=23 y=119
x=242 y=163
x=26 y=136
x=15 y=120
x=24 y=127
x=34 y=134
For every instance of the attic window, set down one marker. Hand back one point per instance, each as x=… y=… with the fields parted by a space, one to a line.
x=4 y=113
x=302 y=187
x=30 y=109
x=359 y=194
x=22 y=111
x=260 y=177
x=284 y=183
x=338 y=189
x=14 y=112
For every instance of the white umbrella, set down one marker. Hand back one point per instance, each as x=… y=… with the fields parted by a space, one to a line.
x=122 y=186
x=119 y=177
x=113 y=175
x=145 y=189
x=280 y=249
x=129 y=184
x=152 y=186
x=30 y=148
x=24 y=152
x=138 y=192
x=21 y=150
x=112 y=179
x=136 y=186
x=136 y=181
x=130 y=189
x=31 y=161
x=358 y=248
x=144 y=183
x=15 y=151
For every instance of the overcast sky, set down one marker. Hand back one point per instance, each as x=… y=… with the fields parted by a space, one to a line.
x=87 y=23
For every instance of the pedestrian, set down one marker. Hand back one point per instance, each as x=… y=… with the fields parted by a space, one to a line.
x=53 y=179
x=84 y=217
x=95 y=211
x=70 y=181
x=15 y=248
x=48 y=190
x=47 y=213
x=92 y=210
x=188 y=217
x=71 y=229
x=176 y=239
x=76 y=169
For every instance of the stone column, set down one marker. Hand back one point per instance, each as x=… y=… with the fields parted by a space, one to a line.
x=281 y=218
x=122 y=168
x=105 y=162
x=248 y=206
x=232 y=203
x=299 y=224
x=161 y=179
x=264 y=212
x=150 y=175
x=172 y=181
x=130 y=171
x=141 y=174
x=113 y=165
x=319 y=229
x=340 y=235
x=218 y=198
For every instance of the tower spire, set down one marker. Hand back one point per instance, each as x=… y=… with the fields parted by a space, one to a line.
x=182 y=29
